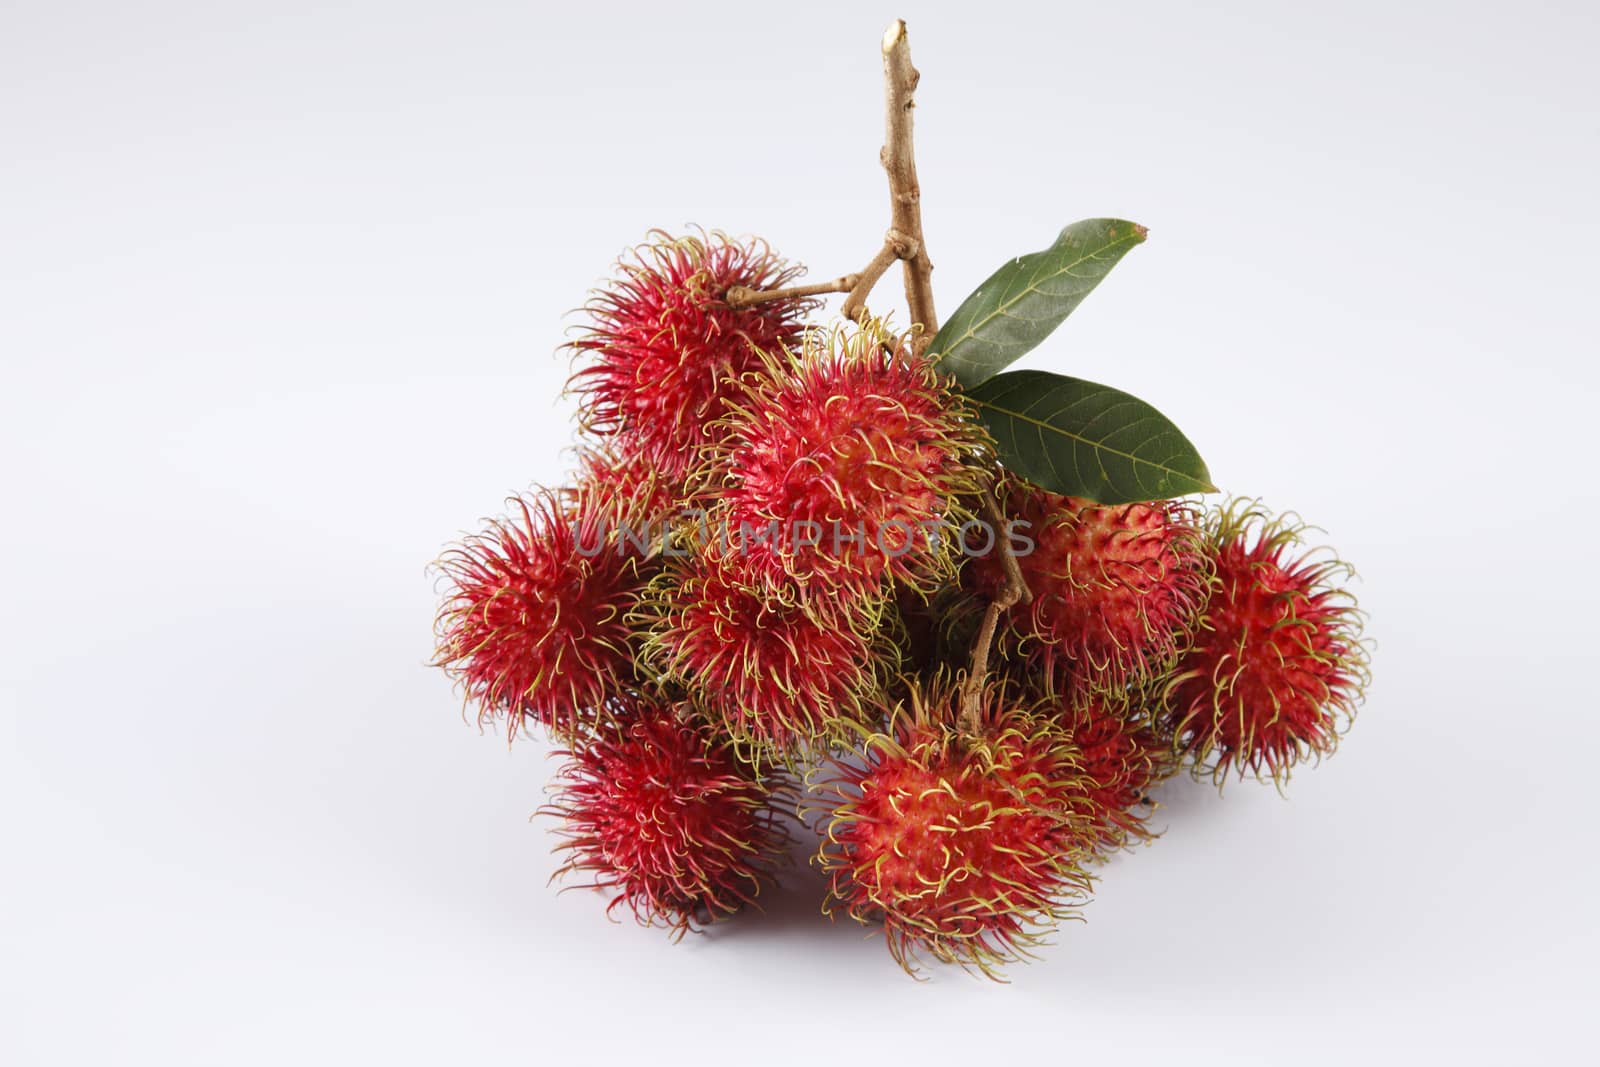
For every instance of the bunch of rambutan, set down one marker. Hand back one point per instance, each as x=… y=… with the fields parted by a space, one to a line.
x=826 y=579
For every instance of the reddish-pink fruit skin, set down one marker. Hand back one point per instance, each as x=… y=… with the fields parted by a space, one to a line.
x=966 y=848
x=659 y=812
x=533 y=626
x=854 y=452
x=632 y=489
x=1279 y=661
x=666 y=350
x=779 y=672
x=1122 y=757
x=1117 y=589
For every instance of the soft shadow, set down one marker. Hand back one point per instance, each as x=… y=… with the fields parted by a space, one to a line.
x=792 y=908
x=1182 y=795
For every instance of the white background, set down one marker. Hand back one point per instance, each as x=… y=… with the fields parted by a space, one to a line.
x=280 y=289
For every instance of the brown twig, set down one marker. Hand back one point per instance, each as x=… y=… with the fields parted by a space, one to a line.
x=904 y=241
x=900 y=163
x=1008 y=555
x=1015 y=591
x=740 y=297
x=972 y=687
x=856 y=302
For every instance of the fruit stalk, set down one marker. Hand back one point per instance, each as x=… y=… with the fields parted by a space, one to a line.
x=896 y=245
x=903 y=241
x=740 y=297
x=905 y=195
x=1014 y=591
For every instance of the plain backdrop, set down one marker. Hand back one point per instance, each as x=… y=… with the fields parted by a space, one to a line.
x=281 y=288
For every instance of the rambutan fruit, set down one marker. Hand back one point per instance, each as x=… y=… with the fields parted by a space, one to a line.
x=666 y=348
x=533 y=625
x=1278 y=665
x=774 y=672
x=632 y=490
x=658 y=811
x=1122 y=756
x=968 y=848
x=1117 y=589
x=845 y=462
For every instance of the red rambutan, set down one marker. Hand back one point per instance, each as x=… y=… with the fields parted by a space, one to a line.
x=772 y=671
x=845 y=462
x=659 y=812
x=667 y=348
x=1278 y=665
x=533 y=626
x=631 y=489
x=968 y=848
x=1117 y=589
x=1122 y=756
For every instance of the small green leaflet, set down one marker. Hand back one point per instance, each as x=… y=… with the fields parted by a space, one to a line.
x=1008 y=315
x=1075 y=437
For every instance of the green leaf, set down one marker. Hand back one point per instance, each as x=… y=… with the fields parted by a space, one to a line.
x=1075 y=437
x=1008 y=315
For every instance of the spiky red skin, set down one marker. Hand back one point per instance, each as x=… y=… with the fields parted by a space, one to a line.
x=666 y=348
x=632 y=489
x=778 y=672
x=853 y=438
x=1117 y=589
x=1277 y=664
x=966 y=849
x=661 y=814
x=533 y=626
x=1121 y=756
